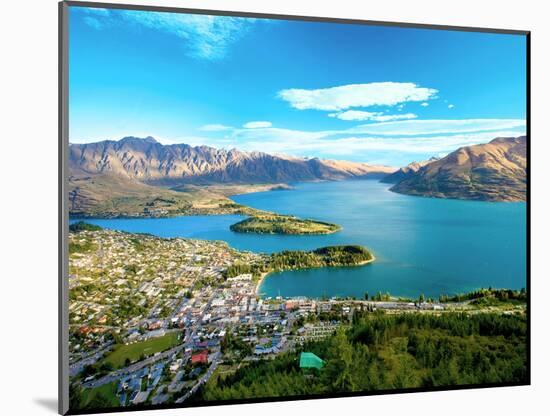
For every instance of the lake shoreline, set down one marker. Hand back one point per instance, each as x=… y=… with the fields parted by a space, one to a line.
x=266 y=274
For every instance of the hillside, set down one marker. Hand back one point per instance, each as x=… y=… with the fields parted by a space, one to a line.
x=407 y=171
x=108 y=196
x=389 y=351
x=495 y=171
x=151 y=162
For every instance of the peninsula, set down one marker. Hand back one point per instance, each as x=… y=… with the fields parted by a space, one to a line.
x=331 y=256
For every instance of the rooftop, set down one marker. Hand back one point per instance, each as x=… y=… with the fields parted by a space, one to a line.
x=310 y=360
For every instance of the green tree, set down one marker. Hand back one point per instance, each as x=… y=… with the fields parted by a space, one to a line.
x=341 y=364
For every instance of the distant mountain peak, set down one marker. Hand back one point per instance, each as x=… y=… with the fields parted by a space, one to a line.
x=407 y=171
x=518 y=140
x=148 y=139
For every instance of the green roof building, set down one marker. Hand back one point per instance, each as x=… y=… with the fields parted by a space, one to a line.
x=310 y=360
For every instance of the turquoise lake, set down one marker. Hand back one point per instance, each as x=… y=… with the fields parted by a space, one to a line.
x=422 y=245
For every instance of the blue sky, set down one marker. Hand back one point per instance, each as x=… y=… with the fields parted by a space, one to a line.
x=365 y=93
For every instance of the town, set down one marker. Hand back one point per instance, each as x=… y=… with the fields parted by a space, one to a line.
x=153 y=319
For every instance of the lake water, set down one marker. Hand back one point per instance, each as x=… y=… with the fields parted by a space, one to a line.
x=422 y=245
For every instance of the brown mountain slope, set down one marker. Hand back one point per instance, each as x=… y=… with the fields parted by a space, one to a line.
x=150 y=162
x=107 y=196
x=113 y=196
x=495 y=171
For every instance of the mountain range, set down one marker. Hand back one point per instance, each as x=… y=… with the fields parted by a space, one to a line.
x=153 y=163
x=135 y=176
x=495 y=171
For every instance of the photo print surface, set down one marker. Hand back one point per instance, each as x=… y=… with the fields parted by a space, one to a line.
x=265 y=208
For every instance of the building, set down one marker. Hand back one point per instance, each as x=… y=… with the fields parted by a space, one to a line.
x=240 y=278
x=200 y=358
x=310 y=360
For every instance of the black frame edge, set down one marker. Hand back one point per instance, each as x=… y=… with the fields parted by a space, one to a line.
x=528 y=199
x=276 y=16
x=63 y=215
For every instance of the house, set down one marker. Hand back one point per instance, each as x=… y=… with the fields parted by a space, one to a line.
x=291 y=304
x=310 y=360
x=85 y=330
x=176 y=365
x=154 y=325
x=200 y=358
x=201 y=344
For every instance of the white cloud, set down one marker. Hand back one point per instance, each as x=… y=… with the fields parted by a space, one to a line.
x=409 y=136
x=96 y=11
x=355 y=147
x=398 y=142
x=356 y=95
x=417 y=133
x=395 y=143
x=276 y=134
x=93 y=22
x=423 y=127
x=390 y=117
x=355 y=115
x=214 y=127
x=451 y=106
x=435 y=145
x=425 y=104
x=257 y=124
x=205 y=37
x=287 y=142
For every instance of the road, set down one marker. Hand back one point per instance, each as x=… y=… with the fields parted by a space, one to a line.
x=215 y=361
x=77 y=367
x=132 y=368
x=148 y=361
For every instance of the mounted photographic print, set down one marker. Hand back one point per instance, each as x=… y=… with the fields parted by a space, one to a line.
x=266 y=208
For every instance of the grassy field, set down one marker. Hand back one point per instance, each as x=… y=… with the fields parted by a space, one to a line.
x=133 y=352
x=280 y=224
x=102 y=396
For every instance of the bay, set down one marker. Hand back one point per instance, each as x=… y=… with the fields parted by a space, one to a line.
x=422 y=245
